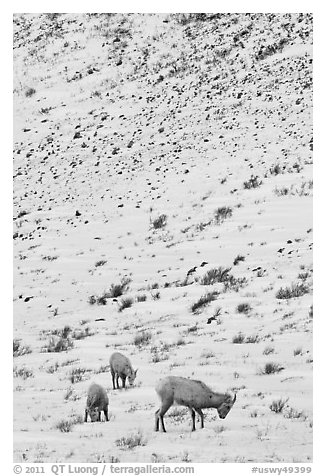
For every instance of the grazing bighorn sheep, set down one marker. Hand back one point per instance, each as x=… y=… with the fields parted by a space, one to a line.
x=121 y=367
x=192 y=394
x=97 y=401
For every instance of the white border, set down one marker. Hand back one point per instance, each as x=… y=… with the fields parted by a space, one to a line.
x=319 y=200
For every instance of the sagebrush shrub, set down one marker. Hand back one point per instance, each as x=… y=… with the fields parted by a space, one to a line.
x=79 y=334
x=215 y=275
x=271 y=368
x=78 y=374
x=130 y=442
x=159 y=222
x=19 y=348
x=64 y=425
x=222 y=213
x=253 y=182
x=23 y=372
x=143 y=338
x=30 y=92
x=238 y=339
x=293 y=291
x=268 y=350
x=101 y=262
x=141 y=298
x=292 y=413
x=117 y=290
x=244 y=308
x=253 y=339
x=58 y=344
x=203 y=301
x=125 y=303
x=278 y=405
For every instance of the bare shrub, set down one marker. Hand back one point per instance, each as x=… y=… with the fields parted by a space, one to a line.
x=293 y=291
x=278 y=405
x=143 y=338
x=65 y=426
x=30 y=92
x=60 y=340
x=276 y=169
x=141 y=298
x=125 y=303
x=178 y=414
x=294 y=414
x=234 y=284
x=297 y=351
x=159 y=222
x=268 y=350
x=130 y=442
x=271 y=368
x=52 y=368
x=253 y=182
x=215 y=275
x=23 y=372
x=58 y=344
x=192 y=329
x=180 y=342
x=117 y=290
x=19 y=348
x=238 y=339
x=244 y=308
x=222 y=213
x=99 y=263
x=204 y=301
x=253 y=339
x=78 y=374
x=79 y=334
x=280 y=192
x=237 y=259
x=160 y=352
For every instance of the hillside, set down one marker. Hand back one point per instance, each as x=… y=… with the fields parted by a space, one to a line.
x=146 y=145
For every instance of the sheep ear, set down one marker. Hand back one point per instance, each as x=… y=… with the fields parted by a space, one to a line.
x=235 y=397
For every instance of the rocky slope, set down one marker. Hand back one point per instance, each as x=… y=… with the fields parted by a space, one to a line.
x=146 y=145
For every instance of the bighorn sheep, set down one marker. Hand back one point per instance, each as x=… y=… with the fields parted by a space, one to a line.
x=192 y=394
x=97 y=401
x=121 y=367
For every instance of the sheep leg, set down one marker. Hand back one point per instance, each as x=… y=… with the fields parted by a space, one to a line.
x=162 y=411
x=118 y=381
x=113 y=380
x=192 y=413
x=200 y=413
x=99 y=416
x=86 y=413
x=106 y=414
x=123 y=381
x=157 y=421
x=162 y=424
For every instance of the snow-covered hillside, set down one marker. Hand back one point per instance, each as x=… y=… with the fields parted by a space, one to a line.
x=146 y=145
